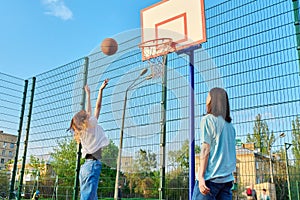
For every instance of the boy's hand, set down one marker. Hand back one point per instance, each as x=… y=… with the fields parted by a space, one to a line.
x=105 y=82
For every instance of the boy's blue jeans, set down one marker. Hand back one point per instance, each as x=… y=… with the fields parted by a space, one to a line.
x=218 y=191
x=89 y=177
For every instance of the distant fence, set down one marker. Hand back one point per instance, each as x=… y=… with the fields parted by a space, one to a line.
x=12 y=107
x=251 y=51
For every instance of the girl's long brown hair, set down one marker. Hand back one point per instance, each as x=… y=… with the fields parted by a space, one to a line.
x=219 y=104
x=79 y=124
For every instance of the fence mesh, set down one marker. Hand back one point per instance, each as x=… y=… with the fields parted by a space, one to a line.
x=11 y=93
x=251 y=51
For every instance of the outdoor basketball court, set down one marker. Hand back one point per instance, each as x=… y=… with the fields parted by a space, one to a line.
x=159 y=77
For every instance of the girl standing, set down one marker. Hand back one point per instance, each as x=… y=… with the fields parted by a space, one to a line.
x=93 y=139
x=218 y=156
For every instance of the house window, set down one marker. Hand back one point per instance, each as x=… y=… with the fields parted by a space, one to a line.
x=2 y=160
x=3 y=153
x=4 y=144
x=12 y=145
x=10 y=154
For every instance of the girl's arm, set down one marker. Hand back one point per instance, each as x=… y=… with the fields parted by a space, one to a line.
x=202 y=168
x=88 y=99
x=99 y=99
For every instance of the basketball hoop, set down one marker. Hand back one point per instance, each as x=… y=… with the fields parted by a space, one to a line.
x=155 y=52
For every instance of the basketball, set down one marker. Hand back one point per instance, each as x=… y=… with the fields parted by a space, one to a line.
x=109 y=46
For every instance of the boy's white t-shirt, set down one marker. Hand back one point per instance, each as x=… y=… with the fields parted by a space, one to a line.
x=94 y=138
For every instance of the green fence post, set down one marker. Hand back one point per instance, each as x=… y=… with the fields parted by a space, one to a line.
x=298 y=194
x=26 y=139
x=13 y=177
x=82 y=103
x=297 y=27
x=162 y=187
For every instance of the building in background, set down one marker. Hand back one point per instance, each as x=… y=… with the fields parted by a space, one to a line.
x=7 y=148
x=252 y=167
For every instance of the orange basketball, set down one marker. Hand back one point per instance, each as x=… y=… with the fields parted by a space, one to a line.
x=109 y=46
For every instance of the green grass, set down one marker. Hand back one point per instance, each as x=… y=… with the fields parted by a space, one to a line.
x=128 y=199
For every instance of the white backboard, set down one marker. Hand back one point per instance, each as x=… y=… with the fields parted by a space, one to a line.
x=181 y=20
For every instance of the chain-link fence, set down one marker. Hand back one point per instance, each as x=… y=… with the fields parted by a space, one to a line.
x=251 y=51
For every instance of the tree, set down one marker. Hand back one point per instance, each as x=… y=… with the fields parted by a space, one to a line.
x=143 y=176
x=64 y=163
x=110 y=155
x=295 y=169
x=4 y=181
x=37 y=165
x=280 y=178
x=181 y=157
x=178 y=177
x=262 y=137
x=146 y=161
x=38 y=170
x=132 y=176
x=296 y=140
x=147 y=164
x=108 y=172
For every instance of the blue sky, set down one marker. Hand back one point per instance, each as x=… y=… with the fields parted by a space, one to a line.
x=37 y=36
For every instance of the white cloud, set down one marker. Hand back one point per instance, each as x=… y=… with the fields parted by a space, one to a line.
x=58 y=8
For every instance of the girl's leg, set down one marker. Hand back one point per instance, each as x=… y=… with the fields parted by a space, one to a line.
x=89 y=179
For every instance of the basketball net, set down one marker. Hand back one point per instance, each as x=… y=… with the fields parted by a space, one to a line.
x=155 y=52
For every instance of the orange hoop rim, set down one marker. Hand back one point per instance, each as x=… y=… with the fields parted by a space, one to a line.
x=156 y=42
x=157 y=47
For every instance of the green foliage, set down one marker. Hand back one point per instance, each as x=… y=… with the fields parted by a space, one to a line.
x=178 y=176
x=4 y=181
x=180 y=158
x=108 y=172
x=295 y=169
x=64 y=162
x=261 y=136
x=296 y=140
x=177 y=184
x=110 y=155
x=143 y=177
x=37 y=165
x=132 y=177
x=107 y=181
x=146 y=161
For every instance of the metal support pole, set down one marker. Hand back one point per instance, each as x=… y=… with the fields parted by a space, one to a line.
x=119 y=161
x=82 y=103
x=26 y=139
x=190 y=53
x=286 y=147
x=162 y=184
x=192 y=126
x=15 y=168
x=120 y=148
